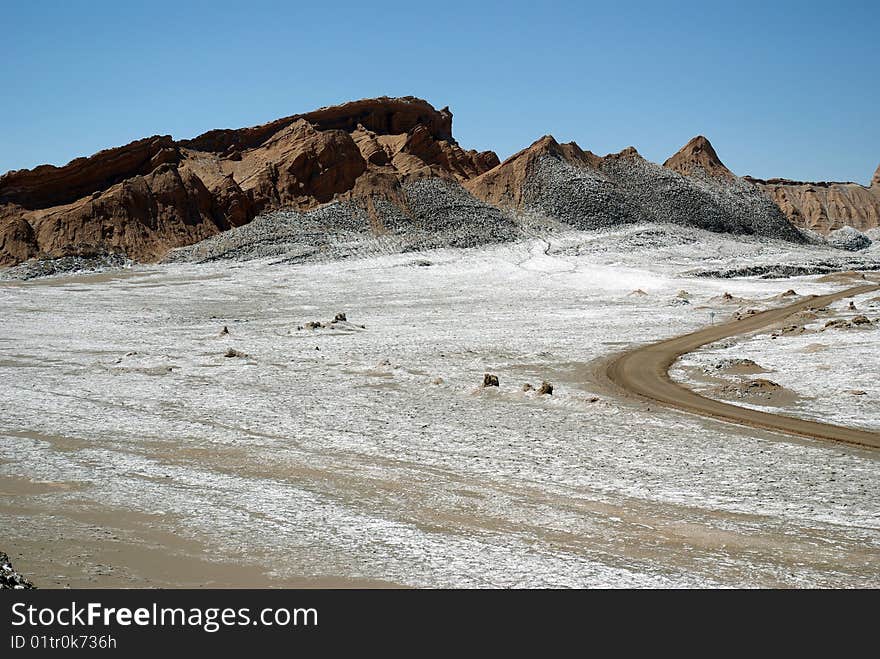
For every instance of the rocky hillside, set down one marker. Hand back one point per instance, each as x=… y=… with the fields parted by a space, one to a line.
x=155 y=194
x=382 y=167
x=826 y=206
x=584 y=190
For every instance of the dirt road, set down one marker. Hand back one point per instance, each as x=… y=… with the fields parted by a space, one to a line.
x=644 y=371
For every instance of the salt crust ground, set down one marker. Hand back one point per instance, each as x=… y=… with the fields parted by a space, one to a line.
x=339 y=452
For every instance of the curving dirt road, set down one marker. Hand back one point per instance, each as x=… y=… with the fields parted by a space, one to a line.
x=644 y=371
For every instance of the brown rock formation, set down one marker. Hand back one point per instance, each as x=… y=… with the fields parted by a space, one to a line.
x=698 y=157
x=155 y=194
x=387 y=116
x=503 y=185
x=825 y=206
x=875 y=182
x=17 y=240
x=139 y=216
x=299 y=166
x=369 y=146
x=51 y=186
x=629 y=153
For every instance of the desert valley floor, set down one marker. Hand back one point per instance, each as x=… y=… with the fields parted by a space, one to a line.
x=366 y=452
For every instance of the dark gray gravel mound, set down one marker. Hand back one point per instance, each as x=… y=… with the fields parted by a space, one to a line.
x=782 y=270
x=715 y=204
x=282 y=234
x=581 y=197
x=452 y=217
x=630 y=190
x=66 y=265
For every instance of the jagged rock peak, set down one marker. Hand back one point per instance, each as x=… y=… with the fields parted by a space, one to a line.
x=629 y=153
x=698 y=157
x=875 y=182
x=544 y=144
x=569 y=151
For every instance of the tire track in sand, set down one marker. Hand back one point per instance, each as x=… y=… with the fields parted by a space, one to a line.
x=644 y=371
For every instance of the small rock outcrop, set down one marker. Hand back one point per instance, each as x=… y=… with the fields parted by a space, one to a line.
x=735 y=365
x=545 y=389
x=758 y=388
x=860 y=321
x=490 y=380
x=9 y=578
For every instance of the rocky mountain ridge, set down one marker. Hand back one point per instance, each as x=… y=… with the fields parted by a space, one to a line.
x=364 y=161
x=156 y=193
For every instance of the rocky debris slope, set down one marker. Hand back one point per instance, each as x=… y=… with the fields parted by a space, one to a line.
x=429 y=213
x=586 y=191
x=9 y=578
x=154 y=194
x=93 y=263
x=825 y=206
x=707 y=197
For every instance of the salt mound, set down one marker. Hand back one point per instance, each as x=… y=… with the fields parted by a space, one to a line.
x=849 y=239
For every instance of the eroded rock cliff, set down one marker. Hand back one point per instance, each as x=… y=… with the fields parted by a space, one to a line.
x=825 y=206
x=147 y=197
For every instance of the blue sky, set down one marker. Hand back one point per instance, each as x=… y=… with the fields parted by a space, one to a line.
x=780 y=88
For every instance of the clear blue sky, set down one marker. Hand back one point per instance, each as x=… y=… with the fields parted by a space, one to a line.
x=780 y=88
